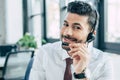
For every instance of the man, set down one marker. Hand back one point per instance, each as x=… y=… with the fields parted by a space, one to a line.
x=77 y=32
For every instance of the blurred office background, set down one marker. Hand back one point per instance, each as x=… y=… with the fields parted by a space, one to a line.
x=43 y=19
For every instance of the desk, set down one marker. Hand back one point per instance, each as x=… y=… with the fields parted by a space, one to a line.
x=2 y=61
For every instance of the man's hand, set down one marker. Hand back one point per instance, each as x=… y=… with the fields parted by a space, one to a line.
x=80 y=55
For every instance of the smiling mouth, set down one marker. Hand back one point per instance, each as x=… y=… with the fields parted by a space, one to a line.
x=68 y=39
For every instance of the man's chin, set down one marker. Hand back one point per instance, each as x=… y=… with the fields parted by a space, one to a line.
x=65 y=46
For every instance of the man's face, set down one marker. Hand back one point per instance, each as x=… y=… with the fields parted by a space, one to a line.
x=75 y=28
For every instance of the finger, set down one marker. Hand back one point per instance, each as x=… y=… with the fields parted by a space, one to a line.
x=75 y=55
x=81 y=58
x=85 y=45
x=81 y=49
x=78 y=53
x=74 y=45
x=84 y=48
x=73 y=50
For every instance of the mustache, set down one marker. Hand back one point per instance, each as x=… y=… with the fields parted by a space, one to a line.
x=70 y=38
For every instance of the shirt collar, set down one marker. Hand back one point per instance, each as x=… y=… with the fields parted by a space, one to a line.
x=65 y=55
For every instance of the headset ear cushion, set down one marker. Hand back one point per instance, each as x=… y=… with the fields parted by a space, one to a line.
x=90 y=37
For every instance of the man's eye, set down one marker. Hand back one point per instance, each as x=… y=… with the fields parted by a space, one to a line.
x=76 y=27
x=65 y=24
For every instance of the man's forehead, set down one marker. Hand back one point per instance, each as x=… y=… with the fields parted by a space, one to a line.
x=75 y=18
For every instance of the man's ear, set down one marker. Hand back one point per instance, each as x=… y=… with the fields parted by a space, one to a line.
x=94 y=32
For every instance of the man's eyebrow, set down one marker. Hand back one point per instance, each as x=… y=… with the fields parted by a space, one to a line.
x=77 y=24
x=65 y=21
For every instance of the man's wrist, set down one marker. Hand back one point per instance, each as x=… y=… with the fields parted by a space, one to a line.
x=85 y=74
x=79 y=76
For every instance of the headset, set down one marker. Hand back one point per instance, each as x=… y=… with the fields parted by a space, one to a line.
x=91 y=35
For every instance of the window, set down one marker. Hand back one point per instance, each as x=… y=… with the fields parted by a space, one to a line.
x=34 y=19
x=53 y=19
x=109 y=38
x=112 y=28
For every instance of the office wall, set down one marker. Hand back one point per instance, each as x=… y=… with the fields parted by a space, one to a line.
x=2 y=22
x=11 y=21
x=14 y=21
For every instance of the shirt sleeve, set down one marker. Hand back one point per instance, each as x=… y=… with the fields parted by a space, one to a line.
x=37 y=71
x=106 y=71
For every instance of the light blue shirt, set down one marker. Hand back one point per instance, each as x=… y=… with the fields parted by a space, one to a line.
x=49 y=64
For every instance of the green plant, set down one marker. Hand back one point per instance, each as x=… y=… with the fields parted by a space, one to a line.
x=44 y=41
x=27 y=41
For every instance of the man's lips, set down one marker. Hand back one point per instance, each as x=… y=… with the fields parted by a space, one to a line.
x=69 y=40
x=66 y=40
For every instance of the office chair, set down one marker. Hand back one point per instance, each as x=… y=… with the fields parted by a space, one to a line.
x=4 y=49
x=27 y=73
x=16 y=64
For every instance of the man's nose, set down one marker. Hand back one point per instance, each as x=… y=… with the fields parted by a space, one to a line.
x=68 y=31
